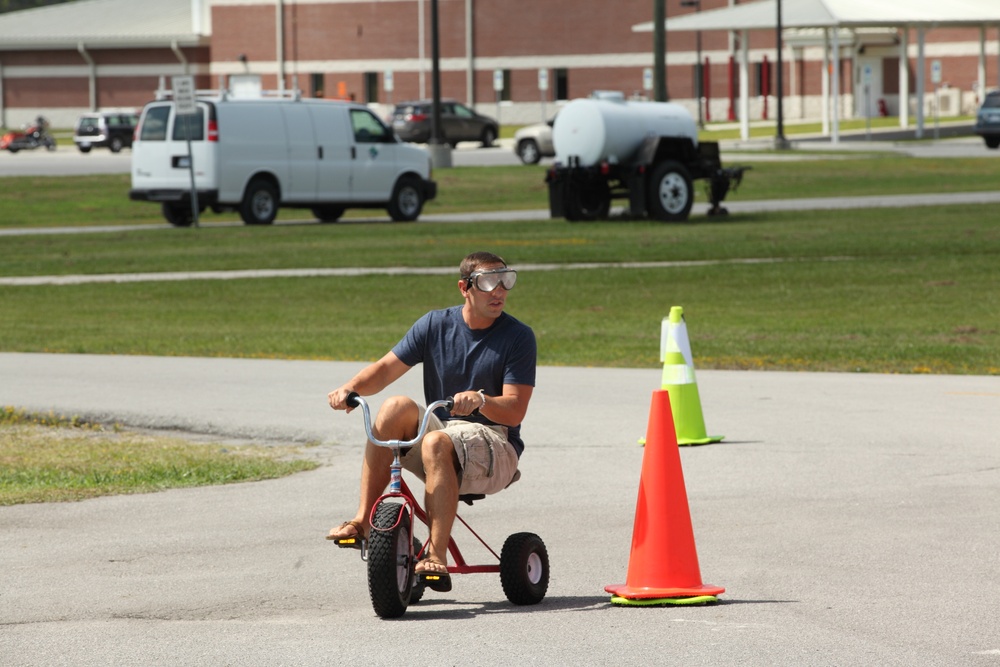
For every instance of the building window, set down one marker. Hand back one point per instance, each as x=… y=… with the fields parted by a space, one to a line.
x=317 y=88
x=562 y=84
x=371 y=87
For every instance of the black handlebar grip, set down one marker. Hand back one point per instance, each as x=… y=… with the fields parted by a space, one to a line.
x=352 y=399
x=449 y=403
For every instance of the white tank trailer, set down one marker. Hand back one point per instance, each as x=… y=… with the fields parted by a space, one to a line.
x=645 y=152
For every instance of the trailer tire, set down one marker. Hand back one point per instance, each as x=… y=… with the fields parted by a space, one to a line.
x=671 y=194
x=587 y=200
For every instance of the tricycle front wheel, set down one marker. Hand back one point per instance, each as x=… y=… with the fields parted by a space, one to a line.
x=390 y=560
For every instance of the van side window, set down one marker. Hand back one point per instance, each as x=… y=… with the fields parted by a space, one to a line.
x=154 y=126
x=192 y=126
x=368 y=129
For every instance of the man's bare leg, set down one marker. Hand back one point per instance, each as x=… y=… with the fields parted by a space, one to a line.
x=398 y=419
x=441 y=496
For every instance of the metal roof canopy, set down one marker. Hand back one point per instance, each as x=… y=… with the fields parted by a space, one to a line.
x=835 y=15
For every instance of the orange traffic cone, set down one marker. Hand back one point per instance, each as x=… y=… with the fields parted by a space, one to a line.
x=663 y=565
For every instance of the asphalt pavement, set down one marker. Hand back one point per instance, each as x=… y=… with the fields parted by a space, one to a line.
x=852 y=519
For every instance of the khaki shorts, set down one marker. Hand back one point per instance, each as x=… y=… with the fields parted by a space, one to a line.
x=488 y=462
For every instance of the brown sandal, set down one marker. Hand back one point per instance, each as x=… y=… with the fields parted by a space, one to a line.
x=436 y=579
x=350 y=541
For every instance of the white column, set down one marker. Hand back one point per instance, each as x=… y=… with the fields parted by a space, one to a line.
x=744 y=86
x=981 y=69
x=421 y=50
x=904 y=78
x=921 y=34
x=825 y=79
x=835 y=138
x=470 y=69
x=279 y=38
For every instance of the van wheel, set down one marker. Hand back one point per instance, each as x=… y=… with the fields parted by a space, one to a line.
x=328 y=213
x=670 y=192
x=116 y=145
x=260 y=203
x=407 y=200
x=177 y=215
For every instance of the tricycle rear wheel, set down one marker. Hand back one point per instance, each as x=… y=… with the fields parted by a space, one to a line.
x=524 y=569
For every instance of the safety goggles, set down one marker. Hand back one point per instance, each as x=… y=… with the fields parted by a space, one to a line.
x=487 y=281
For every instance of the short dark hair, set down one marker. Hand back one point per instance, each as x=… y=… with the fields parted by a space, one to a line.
x=477 y=259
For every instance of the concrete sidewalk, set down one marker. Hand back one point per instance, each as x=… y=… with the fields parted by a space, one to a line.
x=852 y=519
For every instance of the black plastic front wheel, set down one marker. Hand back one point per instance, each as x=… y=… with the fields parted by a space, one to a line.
x=524 y=568
x=390 y=561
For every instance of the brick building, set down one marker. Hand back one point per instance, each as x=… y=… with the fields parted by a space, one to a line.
x=101 y=54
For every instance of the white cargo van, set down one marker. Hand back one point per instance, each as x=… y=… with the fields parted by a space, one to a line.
x=254 y=155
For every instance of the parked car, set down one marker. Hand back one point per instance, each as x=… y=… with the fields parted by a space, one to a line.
x=412 y=122
x=988 y=120
x=112 y=130
x=533 y=142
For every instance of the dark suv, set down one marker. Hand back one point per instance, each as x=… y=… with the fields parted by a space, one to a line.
x=412 y=122
x=113 y=130
x=988 y=120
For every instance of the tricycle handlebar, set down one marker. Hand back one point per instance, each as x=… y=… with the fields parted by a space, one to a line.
x=355 y=400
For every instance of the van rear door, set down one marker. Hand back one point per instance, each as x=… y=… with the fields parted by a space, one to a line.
x=160 y=153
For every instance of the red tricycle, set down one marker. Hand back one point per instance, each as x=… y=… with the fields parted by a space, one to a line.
x=392 y=551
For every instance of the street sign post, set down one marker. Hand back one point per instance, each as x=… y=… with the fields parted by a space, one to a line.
x=543 y=87
x=186 y=108
x=498 y=87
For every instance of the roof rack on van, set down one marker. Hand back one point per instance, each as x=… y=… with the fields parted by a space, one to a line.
x=165 y=93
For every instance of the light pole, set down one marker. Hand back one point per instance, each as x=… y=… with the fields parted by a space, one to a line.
x=659 y=51
x=780 y=142
x=698 y=73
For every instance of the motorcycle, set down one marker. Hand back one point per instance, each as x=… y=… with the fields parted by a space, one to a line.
x=33 y=136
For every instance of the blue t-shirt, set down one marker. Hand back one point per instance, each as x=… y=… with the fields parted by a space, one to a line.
x=457 y=358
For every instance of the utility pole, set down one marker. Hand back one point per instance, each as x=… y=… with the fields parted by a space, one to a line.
x=659 y=50
x=780 y=142
x=699 y=74
x=440 y=150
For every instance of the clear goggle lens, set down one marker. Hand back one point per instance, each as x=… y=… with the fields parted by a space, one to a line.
x=487 y=281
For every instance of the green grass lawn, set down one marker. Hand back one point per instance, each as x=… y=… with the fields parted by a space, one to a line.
x=103 y=199
x=907 y=290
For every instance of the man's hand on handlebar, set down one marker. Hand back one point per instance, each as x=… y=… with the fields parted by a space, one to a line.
x=338 y=398
x=466 y=402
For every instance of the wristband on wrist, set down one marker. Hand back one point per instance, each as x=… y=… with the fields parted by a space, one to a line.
x=482 y=395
